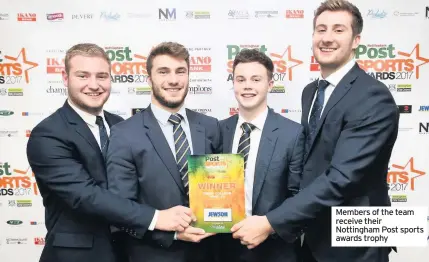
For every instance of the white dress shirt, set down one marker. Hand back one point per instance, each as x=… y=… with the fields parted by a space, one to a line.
x=333 y=80
x=90 y=121
x=255 y=138
x=162 y=117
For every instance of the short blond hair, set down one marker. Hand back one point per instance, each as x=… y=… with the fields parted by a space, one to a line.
x=341 y=5
x=85 y=49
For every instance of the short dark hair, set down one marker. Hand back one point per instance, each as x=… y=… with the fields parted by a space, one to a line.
x=173 y=49
x=341 y=5
x=253 y=55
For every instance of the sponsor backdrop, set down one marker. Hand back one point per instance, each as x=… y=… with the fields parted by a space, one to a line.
x=394 y=49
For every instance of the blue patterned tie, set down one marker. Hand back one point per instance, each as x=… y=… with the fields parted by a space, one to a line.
x=104 y=138
x=182 y=149
x=316 y=110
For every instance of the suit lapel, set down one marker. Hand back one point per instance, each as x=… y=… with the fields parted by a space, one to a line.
x=228 y=136
x=198 y=134
x=110 y=119
x=161 y=146
x=265 y=154
x=339 y=92
x=81 y=127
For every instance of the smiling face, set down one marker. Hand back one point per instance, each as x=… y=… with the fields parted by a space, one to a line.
x=333 y=40
x=169 y=81
x=251 y=86
x=88 y=82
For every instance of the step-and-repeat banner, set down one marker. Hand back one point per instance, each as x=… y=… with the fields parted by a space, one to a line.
x=35 y=35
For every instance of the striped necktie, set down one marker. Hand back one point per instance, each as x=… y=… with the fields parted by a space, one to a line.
x=182 y=149
x=316 y=111
x=244 y=143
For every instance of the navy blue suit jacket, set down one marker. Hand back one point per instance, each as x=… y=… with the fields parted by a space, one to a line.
x=346 y=165
x=277 y=177
x=70 y=172
x=141 y=167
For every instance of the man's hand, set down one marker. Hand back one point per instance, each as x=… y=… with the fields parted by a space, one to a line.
x=193 y=234
x=175 y=219
x=252 y=231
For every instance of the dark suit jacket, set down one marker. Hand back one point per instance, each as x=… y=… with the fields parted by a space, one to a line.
x=346 y=165
x=71 y=175
x=141 y=167
x=277 y=177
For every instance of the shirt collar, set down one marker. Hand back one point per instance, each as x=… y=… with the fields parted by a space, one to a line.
x=259 y=121
x=336 y=77
x=163 y=115
x=87 y=117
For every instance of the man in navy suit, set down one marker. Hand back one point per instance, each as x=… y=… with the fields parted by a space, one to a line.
x=66 y=152
x=147 y=159
x=351 y=122
x=273 y=149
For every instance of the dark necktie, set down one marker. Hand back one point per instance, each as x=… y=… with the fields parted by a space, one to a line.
x=182 y=148
x=316 y=110
x=104 y=138
x=244 y=143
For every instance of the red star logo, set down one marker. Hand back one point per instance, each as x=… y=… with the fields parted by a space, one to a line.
x=416 y=57
x=404 y=176
x=289 y=60
x=23 y=60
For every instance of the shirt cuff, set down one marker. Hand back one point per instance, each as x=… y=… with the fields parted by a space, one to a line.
x=175 y=235
x=154 y=220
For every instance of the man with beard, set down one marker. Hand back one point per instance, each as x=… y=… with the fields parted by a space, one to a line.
x=351 y=122
x=147 y=158
x=66 y=152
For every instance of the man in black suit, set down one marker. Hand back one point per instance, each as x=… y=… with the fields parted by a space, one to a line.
x=66 y=152
x=147 y=158
x=273 y=149
x=351 y=122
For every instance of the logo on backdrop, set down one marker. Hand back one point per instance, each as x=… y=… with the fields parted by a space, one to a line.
x=15 y=69
x=383 y=62
x=376 y=14
x=403 y=177
x=127 y=67
x=284 y=63
x=167 y=14
x=405 y=109
x=17 y=182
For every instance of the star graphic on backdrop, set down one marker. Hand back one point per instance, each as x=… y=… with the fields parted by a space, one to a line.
x=23 y=61
x=23 y=172
x=416 y=57
x=411 y=169
x=289 y=59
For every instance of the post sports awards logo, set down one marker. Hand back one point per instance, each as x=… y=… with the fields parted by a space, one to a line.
x=402 y=178
x=14 y=69
x=17 y=182
x=383 y=62
x=126 y=66
x=284 y=63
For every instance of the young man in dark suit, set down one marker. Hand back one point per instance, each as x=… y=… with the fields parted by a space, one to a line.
x=351 y=122
x=147 y=159
x=66 y=152
x=273 y=149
